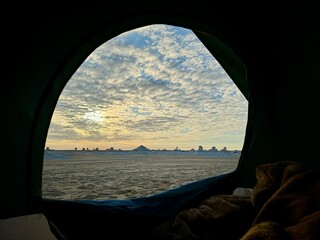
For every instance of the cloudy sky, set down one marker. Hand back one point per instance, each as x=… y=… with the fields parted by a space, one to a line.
x=156 y=86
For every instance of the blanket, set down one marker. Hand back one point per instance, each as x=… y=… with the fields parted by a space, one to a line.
x=284 y=204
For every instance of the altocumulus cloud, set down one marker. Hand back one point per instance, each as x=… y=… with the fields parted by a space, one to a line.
x=157 y=85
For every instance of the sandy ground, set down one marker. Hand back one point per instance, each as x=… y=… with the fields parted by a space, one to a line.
x=101 y=175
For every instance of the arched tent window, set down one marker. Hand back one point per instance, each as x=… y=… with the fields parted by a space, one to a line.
x=147 y=111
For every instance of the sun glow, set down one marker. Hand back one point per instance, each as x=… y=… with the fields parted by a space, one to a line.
x=94 y=116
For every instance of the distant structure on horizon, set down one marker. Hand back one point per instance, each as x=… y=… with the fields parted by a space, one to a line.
x=224 y=149
x=200 y=149
x=141 y=148
x=213 y=149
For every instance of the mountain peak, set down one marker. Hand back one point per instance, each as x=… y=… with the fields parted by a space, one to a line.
x=141 y=148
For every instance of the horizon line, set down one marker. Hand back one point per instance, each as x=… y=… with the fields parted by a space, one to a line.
x=200 y=148
x=143 y=148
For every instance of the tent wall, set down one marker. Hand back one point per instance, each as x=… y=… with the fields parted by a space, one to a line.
x=42 y=49
x=284 y=78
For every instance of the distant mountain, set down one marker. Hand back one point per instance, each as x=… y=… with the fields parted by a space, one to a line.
x=141 y=148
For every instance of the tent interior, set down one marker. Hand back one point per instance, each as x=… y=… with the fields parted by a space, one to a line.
x=270 y=50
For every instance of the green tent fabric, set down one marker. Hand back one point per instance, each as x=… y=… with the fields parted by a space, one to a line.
x=271 y=51
x=228 y=59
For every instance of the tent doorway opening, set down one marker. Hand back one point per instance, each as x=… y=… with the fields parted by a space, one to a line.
x=148 y=111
